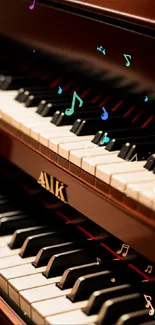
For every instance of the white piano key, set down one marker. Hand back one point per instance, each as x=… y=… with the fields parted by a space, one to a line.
x=147 y=198
x=27 y=297
x=133 y=189
x=14 y=260
x=4 y=240
x=55 y=143
x=76 y=156
x=16 y=272
x=51 y=307
x=89 y=164
x=105 y=173
x=27 y=282
x=62 y=131
x=6 y=251
x=71 y=318
x=64 y=149
x=120 y=181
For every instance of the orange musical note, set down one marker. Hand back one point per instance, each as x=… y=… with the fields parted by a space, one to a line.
x=148 y=304
x=125 y=248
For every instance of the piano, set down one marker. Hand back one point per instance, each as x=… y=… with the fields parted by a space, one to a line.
x=77 y=162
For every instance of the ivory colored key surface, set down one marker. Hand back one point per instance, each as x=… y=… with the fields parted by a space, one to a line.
x=90 y=164
x=14 y=260
x=76 y=156
x=49 y=307
x=76 y=317
x=6 y=251
x=4 y=240
x=26 y=126
x=27 y=297
x=64 y=149
x=62 y=131
x=54 y=143
x=120 y=181
x=133 y=190
x=27 y=282
x=147 y=198
x=17 y=271
x=105 y=173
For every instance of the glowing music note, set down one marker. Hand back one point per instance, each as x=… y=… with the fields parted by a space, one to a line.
x=32 y=6
x=70 y=111
x=149 y=269
x=151 y=312
x=127 y=60
x=126 y=249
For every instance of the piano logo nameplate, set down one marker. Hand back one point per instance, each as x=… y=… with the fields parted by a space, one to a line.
x=54 y=186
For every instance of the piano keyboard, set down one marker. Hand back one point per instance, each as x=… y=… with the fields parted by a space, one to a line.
x=56 y=272
x=33 y=106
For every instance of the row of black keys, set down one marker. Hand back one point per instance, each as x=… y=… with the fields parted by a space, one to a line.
x=75 y=259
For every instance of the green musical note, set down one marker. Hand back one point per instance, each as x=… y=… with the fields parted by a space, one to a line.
x=70 y=111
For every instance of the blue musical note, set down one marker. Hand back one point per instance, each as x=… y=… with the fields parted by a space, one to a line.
x=101 y=49
x=127 y=60
x=105 y=139
x=60 y=90
x=146 y=99
x=105 y=115
x=70 y=111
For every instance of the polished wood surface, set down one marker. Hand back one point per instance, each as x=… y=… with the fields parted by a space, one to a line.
x=65 y=32
x=133 y=224
x=8 y=315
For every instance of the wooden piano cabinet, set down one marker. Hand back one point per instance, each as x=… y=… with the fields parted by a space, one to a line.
x=8 y=315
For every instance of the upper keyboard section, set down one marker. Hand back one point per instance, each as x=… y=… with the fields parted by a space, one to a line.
x=117 y=36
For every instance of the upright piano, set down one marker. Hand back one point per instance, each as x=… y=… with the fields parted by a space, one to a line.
x=77 y=162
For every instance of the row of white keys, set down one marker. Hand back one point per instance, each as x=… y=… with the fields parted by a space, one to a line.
x=4 y=240
x=71 y=318
x=147 y=197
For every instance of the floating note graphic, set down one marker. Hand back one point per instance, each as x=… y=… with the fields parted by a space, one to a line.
x=125 y=248
x=127 y=60
x=70 y=111
x=60 y=90
x=149 y=269
x=148 y=304
x=32 y=6
x=105 y=139
x=146 y=99
x=105 y=115
x=101 y=49
x=134 y=158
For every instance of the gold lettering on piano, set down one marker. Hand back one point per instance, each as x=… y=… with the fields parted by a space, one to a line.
x=52 y=185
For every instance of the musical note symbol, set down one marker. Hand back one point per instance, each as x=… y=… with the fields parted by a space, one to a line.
x=146 y=99
x=32 y=6
x=101 y=49
x=126 y=248
x=104 y=116
x=149 y=269
x=134 y=157
x=105 y=139
x=70 y=111
x=60 y=90
x=126 y=57
x=148 y=304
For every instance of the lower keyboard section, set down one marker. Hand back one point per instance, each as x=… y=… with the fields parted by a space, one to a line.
x=58 y=267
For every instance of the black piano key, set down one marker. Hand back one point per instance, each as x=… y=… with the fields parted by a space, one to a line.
x=50 y=109
x=12 y=213
x=136 y=317
x=63 y=119
x=34 y=100
x=72 y=274
x=20 y=235
x=99 y=297
x=9 y=224
x=20 y=97
x=116 y=144
x=150 y=164
x=15 y=82
x=45 y=253
x=44 y=92
x=124 y=150
x=114 y=308
x=60 y=262
x=143 y=150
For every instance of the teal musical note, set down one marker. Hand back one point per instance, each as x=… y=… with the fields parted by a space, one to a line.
x=127 y=60
x=70 y=111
